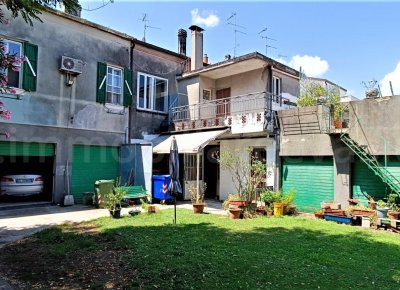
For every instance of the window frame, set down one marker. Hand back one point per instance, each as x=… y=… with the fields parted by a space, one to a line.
x=263 y=159
x=116 y=68
x=204 y=98
x=6 y=41
x=276 y=96
x=151 y=92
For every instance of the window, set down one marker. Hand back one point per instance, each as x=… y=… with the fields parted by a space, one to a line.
x=14 y=76
x=206 y=95
x=260 y=154
x=114 y=85
x=190 y=165
x=276 y=88
x=152 y=93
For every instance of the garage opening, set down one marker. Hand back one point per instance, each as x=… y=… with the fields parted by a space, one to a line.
x=21 y=165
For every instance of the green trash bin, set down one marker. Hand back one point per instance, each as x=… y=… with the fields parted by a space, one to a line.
x=101 y=188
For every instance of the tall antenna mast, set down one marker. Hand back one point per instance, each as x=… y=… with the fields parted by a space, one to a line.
x=232 y=21
x=266 y=40
x=144 y=19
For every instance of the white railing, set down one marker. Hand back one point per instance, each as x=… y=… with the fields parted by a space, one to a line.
x=249 y=103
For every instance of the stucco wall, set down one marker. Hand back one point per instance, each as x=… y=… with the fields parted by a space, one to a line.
x=241 y=146
x=290 y=85
x=374 y=122
x=54 y=103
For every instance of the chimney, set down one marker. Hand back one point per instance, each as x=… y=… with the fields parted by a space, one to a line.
x=74 y=11
x=205 y=59
x=197 y=47
x=182 y=34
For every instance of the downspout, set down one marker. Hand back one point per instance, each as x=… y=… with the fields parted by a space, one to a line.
x=131 y=108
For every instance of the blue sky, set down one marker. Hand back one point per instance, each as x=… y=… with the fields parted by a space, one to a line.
x=345 y=42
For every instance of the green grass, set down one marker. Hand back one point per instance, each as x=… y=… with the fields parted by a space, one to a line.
x=213 y=252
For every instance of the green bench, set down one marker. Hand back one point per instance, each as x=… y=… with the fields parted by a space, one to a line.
x=135 y=192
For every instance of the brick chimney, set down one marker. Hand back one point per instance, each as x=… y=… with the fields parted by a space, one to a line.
x=75 y=12
x=182 y=34
x=197 y=47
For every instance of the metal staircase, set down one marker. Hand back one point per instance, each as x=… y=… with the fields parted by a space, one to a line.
x=372 y=163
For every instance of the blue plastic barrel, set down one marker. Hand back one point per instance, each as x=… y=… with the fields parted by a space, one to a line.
x=160 y=187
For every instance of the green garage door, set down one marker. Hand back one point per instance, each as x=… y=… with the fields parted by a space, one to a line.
x=26 y=149
x=365 y=182
x=312 y=177
x=91 y=163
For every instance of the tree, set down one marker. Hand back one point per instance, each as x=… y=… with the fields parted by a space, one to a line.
x=312 y=92
x=29 y=9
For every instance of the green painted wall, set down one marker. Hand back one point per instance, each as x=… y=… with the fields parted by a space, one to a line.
x=312 y=177
x=26 y=149
x=91 y=163
x=365 y=182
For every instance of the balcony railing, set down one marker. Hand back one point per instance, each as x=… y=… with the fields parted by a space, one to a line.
x=217 y=112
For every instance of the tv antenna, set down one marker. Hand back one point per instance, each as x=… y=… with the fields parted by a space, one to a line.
x=232 y=21
x=267 y=39
x=145 y=19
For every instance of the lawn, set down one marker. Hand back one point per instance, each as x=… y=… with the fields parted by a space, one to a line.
x=204 y=252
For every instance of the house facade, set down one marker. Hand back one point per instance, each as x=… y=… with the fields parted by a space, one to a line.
x=83 y=91
x=325 y=164
x=229 y=105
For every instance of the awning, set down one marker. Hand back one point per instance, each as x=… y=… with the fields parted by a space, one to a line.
x=187 y=143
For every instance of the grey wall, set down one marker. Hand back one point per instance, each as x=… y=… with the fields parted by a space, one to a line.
x=157 y=64
x=374 y=121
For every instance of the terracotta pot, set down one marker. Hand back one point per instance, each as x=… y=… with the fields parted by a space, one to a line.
x=152 y=209
x=319 y=215
x=234 y=213
x=338 y=124
x=198 y=207
x=362 y=212
x=394 y=215
x=239 y=203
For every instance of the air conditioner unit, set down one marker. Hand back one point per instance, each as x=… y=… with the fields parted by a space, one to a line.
x=71 y=65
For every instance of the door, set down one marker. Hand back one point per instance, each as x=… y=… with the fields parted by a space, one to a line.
x=91 y=163
x=313 y=179
x=223 y=102
x=190 y=173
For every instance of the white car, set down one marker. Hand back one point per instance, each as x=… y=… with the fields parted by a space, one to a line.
x=21 y=184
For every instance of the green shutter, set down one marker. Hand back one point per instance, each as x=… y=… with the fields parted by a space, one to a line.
x=91 y=163
x=312 y=177
x=29 y=78
x=365 y=182
x=101 y=82
x=127 y=88
x=26 y=149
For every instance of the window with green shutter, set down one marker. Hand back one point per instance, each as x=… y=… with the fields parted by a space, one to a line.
x=114 y=85
x=29 y=70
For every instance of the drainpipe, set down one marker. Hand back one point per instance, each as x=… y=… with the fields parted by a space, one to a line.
x=131 y=108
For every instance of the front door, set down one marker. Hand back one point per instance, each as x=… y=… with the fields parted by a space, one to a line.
x=223 y=102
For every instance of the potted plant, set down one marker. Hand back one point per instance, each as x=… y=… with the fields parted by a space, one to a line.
x=393 y=202
x=288 y=199
x=371 y=202
x=381 y=209
x=113 y=201
x=197 y=197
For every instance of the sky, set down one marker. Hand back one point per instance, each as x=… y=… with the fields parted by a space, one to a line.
x=348 y=43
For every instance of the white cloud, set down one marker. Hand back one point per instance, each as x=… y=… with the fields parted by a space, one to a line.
x=393 y=77
x=208 y=19
x=312 y=66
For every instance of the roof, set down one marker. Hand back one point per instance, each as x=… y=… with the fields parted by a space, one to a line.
x=327 y=81
x=112 y=31
x=244 y=58
x=187 y=142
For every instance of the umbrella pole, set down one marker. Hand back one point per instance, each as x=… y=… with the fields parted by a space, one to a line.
x=175 y=210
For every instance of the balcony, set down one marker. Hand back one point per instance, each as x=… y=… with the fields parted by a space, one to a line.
x=244 y=113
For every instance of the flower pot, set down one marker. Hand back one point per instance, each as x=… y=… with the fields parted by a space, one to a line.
x=319 y=214
x=152 y=209
x=291 y=209
x=338 y=124
x=234 y=213
x=361 y=212
x=278 y=208
x=382 y=212
x=239 y=203
x=372 y=205
x=394 y=215
x=116 y=213
x=198 y=207
x=270 y=212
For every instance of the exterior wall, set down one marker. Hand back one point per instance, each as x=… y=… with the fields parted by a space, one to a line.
x=290 y=85
x=189 y=91
x=226 y=185
x=64 y=139
x=374 y=122
x=148 y=61
x=306 y=145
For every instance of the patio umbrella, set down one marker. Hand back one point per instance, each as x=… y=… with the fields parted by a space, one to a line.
x=174 y=186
